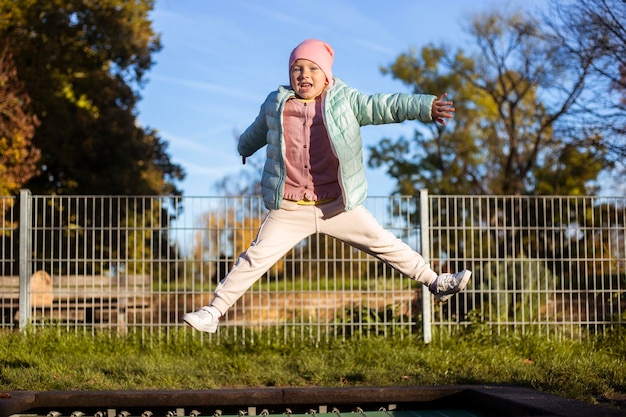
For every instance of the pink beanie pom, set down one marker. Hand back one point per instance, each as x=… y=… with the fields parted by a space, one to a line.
x=315 y=51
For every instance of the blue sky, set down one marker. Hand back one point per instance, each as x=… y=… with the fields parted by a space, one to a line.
x=221 y=58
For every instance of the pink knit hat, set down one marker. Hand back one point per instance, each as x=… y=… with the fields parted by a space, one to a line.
x=315 y=51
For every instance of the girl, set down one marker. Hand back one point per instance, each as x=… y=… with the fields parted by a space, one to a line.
x=314 y=178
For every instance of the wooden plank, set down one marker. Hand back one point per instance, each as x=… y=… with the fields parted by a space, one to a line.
x=9 y=282
x=92 y=299
x=7 y=298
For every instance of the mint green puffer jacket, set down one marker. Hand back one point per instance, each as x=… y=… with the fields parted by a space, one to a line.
x=345 y=111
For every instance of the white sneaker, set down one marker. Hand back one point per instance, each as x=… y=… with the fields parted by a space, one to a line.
x=203 y=320
x=446 y=285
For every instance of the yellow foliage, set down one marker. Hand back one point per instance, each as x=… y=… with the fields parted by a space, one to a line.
x=227 y=233
x=82 y=102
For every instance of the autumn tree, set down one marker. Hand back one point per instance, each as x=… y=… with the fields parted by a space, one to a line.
x=595 y=30
x=517 y=92
x=83 y=64
x=527 y=123
x=18 y=155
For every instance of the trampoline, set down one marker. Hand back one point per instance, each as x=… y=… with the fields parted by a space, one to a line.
x=405 y=401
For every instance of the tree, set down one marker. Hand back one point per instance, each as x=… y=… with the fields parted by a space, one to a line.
x=436 y=158
x=18 y=155
x=517 y=94
x=82 y=63
x=523 y=126
x=595 y=30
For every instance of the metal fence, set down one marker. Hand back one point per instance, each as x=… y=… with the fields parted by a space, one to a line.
x=554 y=265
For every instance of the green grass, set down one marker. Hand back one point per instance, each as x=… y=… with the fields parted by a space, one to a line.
x=592 y=370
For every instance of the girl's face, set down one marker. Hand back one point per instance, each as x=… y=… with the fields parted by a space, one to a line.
x=307 y=79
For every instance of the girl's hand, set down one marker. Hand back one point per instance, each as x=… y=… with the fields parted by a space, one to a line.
x=442 y=110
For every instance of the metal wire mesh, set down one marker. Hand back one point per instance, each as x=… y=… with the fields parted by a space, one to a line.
x=550 y=264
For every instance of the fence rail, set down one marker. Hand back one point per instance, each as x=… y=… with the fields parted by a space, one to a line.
x=553 y=264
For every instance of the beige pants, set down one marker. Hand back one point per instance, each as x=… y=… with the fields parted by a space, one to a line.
x=283 y=229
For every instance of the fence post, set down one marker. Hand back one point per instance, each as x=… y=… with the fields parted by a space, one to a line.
x=425 y=250
x=25 y=253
